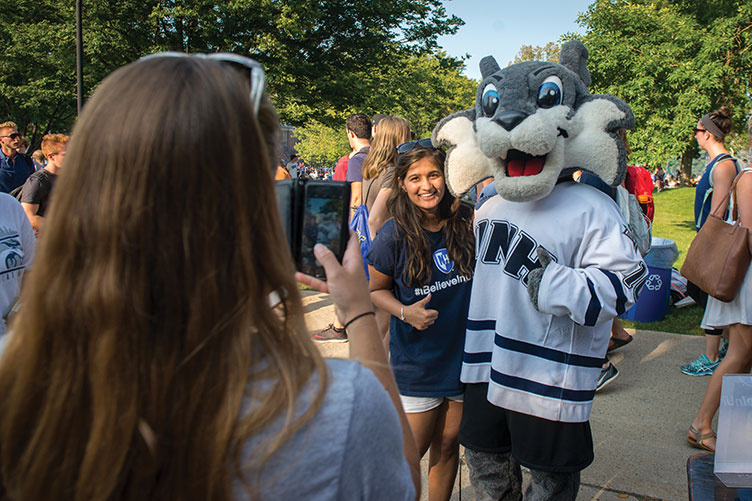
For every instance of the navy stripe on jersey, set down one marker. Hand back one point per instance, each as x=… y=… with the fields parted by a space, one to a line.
x=594 y=308
x=541 y=389
x=561 y=357
x=481 y=325
x=621 y=298
x=484 y=357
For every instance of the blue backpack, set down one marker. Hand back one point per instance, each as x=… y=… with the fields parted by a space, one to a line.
x=359 y=224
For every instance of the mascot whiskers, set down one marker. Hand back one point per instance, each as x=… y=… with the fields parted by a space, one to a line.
x=555 y=265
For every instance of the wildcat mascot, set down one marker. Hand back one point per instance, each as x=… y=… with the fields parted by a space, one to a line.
x=555 y=264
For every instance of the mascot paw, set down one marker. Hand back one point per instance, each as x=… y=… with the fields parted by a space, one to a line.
x=535 y=276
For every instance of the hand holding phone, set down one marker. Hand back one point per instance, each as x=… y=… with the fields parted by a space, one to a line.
x=345 y=282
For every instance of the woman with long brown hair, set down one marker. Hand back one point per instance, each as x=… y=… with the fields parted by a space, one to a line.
x=378 y=169
x=149 y=360
x=421 y=264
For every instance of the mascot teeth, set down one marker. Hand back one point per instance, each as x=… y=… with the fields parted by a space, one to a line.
x=522 y=164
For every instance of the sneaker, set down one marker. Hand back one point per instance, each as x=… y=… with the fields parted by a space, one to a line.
x=331 y=334
x=687 y=301
x=607 y=375
x=700 y=367
x=723 y=348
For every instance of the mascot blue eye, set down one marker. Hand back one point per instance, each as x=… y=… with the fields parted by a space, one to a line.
x=550 y=92
x=490 y=100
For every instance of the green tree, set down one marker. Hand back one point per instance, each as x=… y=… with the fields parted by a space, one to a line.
x=672 y=62
x=423 y=89
x=315 y=53
x=320 y=144
x=549 y=52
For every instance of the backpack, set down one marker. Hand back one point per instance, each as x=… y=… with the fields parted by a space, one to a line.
x=44 y=184
x=637 y=221
x=359 y=224
x=639 y=183
x=708 y=195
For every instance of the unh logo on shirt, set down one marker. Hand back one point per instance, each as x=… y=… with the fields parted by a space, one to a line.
x=443 y=263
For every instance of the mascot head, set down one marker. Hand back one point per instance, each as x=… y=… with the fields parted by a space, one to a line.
x=533 y=123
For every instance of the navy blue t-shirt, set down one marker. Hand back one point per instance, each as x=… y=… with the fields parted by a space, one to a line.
x=425 y=363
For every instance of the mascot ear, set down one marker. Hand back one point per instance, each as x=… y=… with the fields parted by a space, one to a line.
x=488 y=66
x=598 y=147
x=574 y=56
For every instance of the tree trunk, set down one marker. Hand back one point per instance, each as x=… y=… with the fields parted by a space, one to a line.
x=688 y=155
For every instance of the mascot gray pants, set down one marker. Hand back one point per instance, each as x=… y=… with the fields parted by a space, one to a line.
x=496 y=476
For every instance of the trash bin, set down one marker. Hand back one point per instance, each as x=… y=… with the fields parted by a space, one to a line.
x=653 y=303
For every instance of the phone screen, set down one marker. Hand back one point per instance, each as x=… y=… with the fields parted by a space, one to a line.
x=325 y=221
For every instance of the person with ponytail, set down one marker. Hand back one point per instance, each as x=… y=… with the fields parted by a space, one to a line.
x=735 y=316
x=715 y=183
x=161 y=351
x=421 y=265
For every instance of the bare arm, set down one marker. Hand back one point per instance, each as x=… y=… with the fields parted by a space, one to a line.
x=355 y=197
x=347 y=285
x=744 y=200
x=382 y=296
x=31 y=212
x=723 y=175
x=378 y=215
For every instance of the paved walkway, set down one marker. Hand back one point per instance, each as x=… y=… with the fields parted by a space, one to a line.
x=639 y=421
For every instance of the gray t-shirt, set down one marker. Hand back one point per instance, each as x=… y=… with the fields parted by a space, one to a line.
x=350 y=449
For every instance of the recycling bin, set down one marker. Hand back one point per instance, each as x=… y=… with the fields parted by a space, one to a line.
x=654 y=300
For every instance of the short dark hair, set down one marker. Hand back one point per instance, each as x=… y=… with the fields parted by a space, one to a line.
x=377 y=118
x=360 y=124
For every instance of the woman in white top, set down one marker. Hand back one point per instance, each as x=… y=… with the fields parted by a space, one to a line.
x=737 y=316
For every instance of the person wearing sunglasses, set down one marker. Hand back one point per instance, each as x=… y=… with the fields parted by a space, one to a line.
x=15 y=167
x=161 y=351
x=421 y=267
x=713 y=186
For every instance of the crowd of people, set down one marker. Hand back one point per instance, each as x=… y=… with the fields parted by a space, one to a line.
x=157 y=348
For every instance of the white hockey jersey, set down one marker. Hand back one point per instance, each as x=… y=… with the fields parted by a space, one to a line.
x=546 y=363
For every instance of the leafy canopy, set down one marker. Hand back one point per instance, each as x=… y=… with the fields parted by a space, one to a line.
x=672 y=61
x=319 y=56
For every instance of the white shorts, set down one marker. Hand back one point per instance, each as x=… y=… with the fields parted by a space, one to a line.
x=422 y=404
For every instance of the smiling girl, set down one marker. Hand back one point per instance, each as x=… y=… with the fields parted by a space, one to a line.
x=421 y=266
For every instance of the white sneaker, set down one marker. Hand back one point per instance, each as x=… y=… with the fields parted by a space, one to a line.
x=687 y=301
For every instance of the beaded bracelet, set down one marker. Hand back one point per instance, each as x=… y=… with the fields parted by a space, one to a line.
x=359 y=316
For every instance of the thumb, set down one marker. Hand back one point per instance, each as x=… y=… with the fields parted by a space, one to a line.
x=423 y=302
x=326 y=257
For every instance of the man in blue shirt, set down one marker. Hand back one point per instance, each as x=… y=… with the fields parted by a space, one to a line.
x=14 y=167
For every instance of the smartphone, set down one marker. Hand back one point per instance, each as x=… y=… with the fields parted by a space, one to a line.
x=325 y=217
x=314 y=212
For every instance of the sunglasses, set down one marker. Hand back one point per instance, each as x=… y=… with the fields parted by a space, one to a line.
x=15 y=135
x=411 y=145
x=257 y=76
x=699 y=130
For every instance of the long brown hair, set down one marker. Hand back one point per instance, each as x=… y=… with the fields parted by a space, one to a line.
x=457 y=219
x=146 y=327
x=393 y=131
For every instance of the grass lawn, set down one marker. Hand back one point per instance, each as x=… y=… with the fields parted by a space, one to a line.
x=674 y=219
